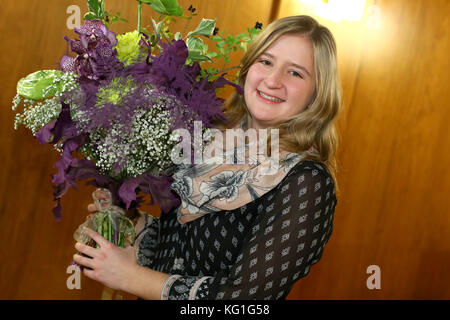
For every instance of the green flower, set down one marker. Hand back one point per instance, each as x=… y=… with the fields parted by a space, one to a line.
x=128 y=48
x=115 y=91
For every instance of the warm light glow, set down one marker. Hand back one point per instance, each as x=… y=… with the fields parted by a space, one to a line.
x=373 y=17
x=337 y=10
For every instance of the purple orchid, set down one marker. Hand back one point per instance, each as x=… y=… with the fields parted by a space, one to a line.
x=96 y=58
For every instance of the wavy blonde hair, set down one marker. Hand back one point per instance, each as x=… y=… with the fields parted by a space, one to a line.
x=316 y=125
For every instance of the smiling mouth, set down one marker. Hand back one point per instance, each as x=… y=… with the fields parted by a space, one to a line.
x=270 y=98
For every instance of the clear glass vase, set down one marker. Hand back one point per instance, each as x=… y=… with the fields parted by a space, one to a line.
x=109 y=221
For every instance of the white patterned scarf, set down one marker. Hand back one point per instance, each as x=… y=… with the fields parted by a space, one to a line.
x=214 y=186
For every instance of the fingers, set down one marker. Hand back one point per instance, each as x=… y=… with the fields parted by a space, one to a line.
x=102 y=242
x=87 y=250
x=86 y=262
x=89 y=273
x=92 y=208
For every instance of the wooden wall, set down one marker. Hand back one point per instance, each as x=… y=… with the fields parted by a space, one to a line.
x=36 y=250
x=393 y=210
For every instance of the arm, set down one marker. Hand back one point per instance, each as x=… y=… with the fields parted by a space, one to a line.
x=288 y=237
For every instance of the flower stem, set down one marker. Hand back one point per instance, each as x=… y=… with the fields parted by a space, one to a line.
x=227 y=69
x=139 y=16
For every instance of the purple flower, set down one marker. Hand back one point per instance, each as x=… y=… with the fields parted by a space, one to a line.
x=97 y=29
x=96 y=58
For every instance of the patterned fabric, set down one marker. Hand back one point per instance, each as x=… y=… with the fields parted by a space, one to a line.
x=257 y=251
x=247 y=174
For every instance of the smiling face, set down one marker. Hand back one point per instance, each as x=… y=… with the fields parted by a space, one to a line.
x=281 y=82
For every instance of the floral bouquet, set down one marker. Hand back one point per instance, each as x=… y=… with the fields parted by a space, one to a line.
x=113 y=107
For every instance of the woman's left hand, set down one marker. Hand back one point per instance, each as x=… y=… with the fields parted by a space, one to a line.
x=111 y=265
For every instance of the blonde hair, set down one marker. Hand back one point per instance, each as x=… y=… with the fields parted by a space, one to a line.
x=314 y=127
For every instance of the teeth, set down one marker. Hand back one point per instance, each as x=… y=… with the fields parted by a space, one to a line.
x=269 y=97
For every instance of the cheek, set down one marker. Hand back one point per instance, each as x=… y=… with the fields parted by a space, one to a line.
x=254 y=75
x=251 y=82
x=301 y=93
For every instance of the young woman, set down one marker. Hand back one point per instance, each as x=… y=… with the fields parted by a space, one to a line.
x=241 y=233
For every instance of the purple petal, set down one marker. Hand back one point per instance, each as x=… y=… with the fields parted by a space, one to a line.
x=159 y=190
x=127 y=191
x=44 y=134
x=68 y=64
x=57 y=210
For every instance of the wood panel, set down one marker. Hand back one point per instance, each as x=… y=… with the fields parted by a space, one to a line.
x=393 y=207
x=393 y=210
x=36 y=250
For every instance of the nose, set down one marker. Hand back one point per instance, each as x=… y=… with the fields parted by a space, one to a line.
x=274 y=79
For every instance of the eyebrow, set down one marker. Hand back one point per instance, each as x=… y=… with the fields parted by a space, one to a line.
x=292 y=63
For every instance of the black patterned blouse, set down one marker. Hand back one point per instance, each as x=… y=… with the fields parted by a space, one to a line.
x=257 y=251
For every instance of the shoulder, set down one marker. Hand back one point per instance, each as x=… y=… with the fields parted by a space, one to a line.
x=308 y=171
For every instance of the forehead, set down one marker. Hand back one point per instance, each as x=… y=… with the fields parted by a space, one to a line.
x=294 y=47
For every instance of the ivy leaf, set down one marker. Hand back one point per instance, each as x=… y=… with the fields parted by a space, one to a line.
x=195 y=44
x=196 y=55
x=167 y=7
x=205 y=28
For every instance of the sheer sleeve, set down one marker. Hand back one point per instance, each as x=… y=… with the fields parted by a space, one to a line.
x=293 y=225
x=147 y=239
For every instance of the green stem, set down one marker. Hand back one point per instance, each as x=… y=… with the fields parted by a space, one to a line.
x=223 y=70
x=139 y=16
x=186 y=25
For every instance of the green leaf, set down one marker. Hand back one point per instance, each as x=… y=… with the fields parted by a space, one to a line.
x=205 y=28
x=167 y=7
x=243 y=46
x=33 y=85
x=221 y=44
x=240 y=36
x=157 y=26
x=230 y=40
x=178 y=36
x=97 y=8
x=212 y=54
x=195 y=55
x=195 y=44
x=90 y=16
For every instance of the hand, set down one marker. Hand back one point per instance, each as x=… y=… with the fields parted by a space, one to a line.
x=111 y=265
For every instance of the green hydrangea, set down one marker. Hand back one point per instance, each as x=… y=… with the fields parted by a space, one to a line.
x=128 y=48
x=115 y=91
